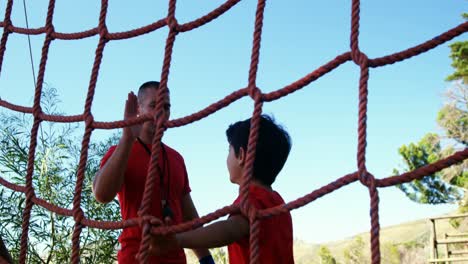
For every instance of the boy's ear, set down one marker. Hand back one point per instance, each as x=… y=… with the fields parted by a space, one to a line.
x=241 y=157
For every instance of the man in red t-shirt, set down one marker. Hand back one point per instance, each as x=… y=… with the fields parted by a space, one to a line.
x=276 y=233
x=123 y=173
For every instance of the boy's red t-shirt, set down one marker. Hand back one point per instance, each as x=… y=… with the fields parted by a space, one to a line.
x=276 y=233
x=131 y=194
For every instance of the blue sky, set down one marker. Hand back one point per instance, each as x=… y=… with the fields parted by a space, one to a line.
x=212 y=61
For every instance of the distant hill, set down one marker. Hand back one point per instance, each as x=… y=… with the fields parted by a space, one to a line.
x=408 y=240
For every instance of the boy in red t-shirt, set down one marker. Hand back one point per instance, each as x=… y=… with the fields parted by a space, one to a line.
x=276 y=233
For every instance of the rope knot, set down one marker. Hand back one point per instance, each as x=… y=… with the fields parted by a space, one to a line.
x=248 y=210
x=366 y=178
x=103 y=32
x=146 y=223
x=143 y=219
x=30 y=194
x=172 y=23
x=37 y=111
x=7 y=25
x=256 y=94
x=78 y=215
x=50 y=30
x=359 y=58
x=89 y=120
x=159 y=124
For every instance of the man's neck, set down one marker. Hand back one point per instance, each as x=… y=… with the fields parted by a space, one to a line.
x=146 y=138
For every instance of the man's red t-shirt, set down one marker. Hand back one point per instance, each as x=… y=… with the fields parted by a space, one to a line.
x=276 y=233
x=131 y=194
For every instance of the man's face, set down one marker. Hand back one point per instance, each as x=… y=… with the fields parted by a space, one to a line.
x=147 y=104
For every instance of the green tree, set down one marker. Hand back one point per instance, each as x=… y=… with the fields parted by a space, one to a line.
x=431 y=189
x=453 y=118
x=450 y=184
x=354 y=253
x=325 y=256
x=459 y=56
x=55 y=169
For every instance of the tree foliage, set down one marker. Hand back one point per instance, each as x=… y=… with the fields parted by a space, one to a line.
x=450 y=184
x=325 y=256
x=459 y=56
x=55 y=168
x=431 y=189
x=354 y=253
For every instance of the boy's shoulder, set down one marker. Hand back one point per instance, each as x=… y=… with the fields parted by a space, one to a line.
x=262 y=197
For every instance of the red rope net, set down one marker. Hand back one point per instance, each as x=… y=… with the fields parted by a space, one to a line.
x=254 y=215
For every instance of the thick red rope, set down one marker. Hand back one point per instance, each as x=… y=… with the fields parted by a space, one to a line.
x=254 y=215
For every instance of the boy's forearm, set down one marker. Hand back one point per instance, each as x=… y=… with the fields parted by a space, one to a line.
x=218 y=234
x=109 y=178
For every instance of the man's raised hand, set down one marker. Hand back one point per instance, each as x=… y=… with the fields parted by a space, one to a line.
x=131 y=111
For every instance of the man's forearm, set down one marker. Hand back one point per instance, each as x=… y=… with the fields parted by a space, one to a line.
x=109 y=178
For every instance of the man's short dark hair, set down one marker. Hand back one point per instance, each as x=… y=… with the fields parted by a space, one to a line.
x=145 y=86
x=272 y=148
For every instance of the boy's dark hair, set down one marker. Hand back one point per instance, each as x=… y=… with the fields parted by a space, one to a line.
x=272 y=149
x=145 y=86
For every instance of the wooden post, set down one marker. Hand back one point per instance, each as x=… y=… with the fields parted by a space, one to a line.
x=433 y=249
x=456 y=238
x=446 y=249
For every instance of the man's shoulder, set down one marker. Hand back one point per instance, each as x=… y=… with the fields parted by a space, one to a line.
x=172 y=152
x=110 y=150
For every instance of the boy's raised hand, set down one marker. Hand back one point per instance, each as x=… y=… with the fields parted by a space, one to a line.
x=131 y=111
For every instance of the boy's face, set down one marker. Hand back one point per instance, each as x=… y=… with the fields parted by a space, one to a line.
x=147 y=105
x=234 y=166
